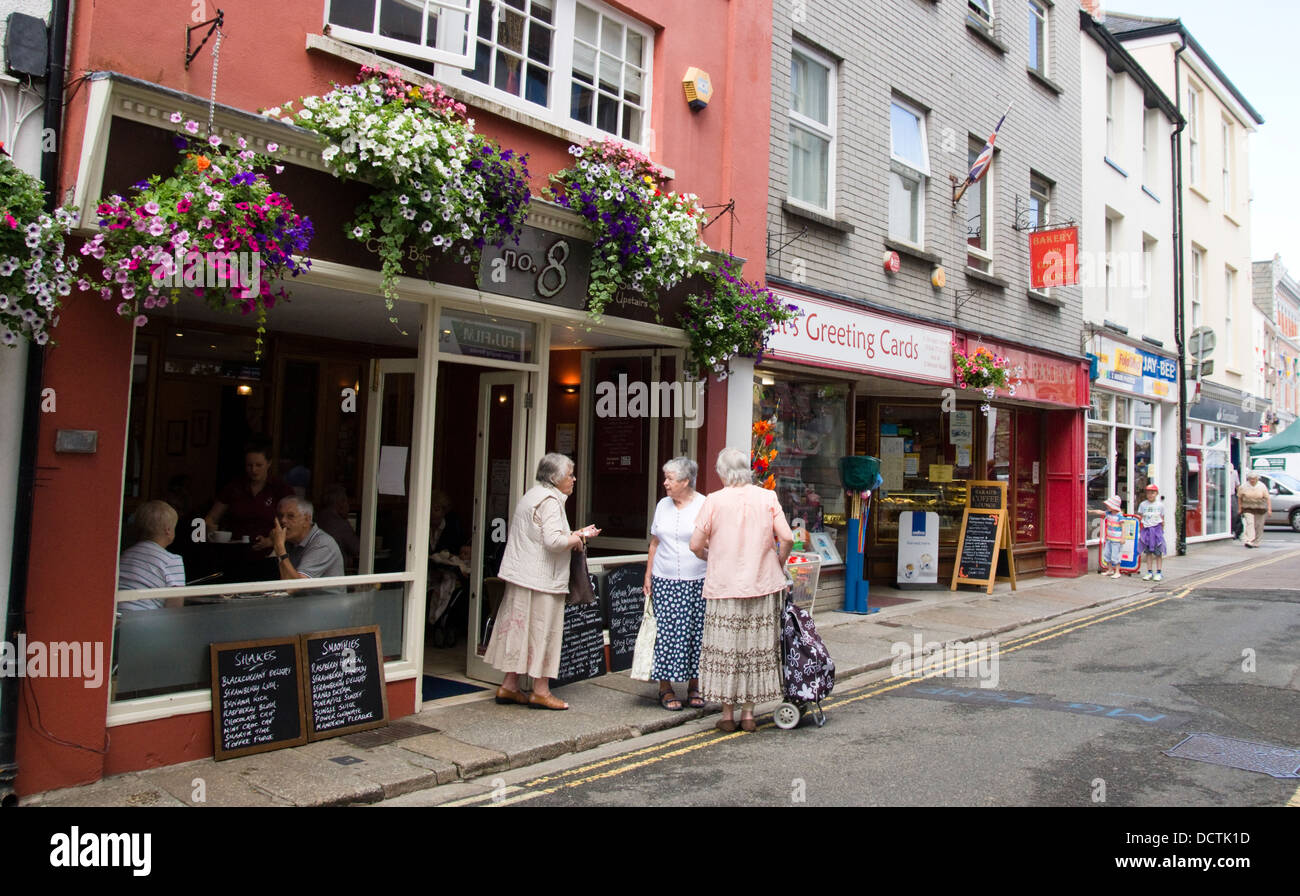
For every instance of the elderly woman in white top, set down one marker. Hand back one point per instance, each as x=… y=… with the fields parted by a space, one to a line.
x=674 y=582
x=529 y=627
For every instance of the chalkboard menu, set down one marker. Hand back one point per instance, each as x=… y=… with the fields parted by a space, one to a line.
x=582 y=654
x=344 y=673
x=984 y=496
x=256 y=697
x=626 y=602
x=979 y=542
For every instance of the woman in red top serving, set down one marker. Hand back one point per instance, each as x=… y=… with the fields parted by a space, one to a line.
x=250 y=502
x=742 y=534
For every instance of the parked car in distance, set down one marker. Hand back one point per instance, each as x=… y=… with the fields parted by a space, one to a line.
x=1285 y=492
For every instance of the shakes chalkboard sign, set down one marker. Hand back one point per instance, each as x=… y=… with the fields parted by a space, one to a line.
x=626 y=601
x=344 y=673
x=256 y=697
x=984 y=532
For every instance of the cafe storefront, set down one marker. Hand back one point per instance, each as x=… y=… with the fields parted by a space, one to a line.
x=851 y=379
x=481 y=373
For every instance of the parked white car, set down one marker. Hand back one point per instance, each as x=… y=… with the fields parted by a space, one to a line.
x=1284 y=491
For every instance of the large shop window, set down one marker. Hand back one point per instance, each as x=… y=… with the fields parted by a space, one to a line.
x=218 y=439
x=1208 y=480
x=811 y=435
x=1122 y=433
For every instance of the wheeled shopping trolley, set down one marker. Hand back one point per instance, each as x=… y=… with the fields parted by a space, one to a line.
x=807 y=670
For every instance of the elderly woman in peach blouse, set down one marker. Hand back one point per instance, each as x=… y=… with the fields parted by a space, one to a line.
x=742 y=534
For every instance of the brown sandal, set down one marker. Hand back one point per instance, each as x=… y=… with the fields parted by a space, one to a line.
x=748 y=724
x=547 y=701
x=506 y=697
x=727 y=725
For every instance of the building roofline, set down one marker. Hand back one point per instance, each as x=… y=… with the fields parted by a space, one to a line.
x=1118 y=55
x=1160 y=28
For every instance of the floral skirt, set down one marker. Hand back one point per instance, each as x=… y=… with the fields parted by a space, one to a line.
x=679 y=628
x=528 y=632
x=738 y=660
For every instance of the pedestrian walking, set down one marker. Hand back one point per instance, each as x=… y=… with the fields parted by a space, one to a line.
x=674 y=583
x=1112 y=536
x=1151 y=534
x=1256 y=505
x=743 y=535
x=1234 y=503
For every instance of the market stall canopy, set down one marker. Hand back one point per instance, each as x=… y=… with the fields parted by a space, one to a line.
x=1287 y=441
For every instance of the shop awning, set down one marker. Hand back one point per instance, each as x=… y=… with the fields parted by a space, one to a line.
x=1287 y=440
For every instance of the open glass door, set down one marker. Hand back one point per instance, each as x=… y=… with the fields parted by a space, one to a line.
x=499 y=483
x=385 y=490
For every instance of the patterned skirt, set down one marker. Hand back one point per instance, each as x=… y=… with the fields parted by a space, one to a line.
x=679 y=627
x=738 y=660
x=527 y=634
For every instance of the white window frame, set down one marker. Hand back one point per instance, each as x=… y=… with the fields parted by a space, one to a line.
x=1198 y=269
x=1040 y=12
x=1040 y=198
x=1193 y=134
x=1107 y=258
x=908 y=171
x=981 y=13
x=375 y=41
x=983 y=253
x=826 y=131
x=1150 y=146
x=556 y=110
x=1229 y=287
x=1229 y=144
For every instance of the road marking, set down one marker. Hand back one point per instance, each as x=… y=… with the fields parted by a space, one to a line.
x=1294 y=802
x=1253 y=564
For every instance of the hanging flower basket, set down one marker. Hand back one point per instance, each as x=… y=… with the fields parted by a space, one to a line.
x=34 y=271
x=981 y=369
x=214 y=228
x=643 y=237
x=438 y=185
x=730 y=317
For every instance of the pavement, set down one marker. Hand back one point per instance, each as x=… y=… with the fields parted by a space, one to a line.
x=470 y=737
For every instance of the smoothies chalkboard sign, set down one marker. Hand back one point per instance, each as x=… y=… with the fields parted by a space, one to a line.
x=582 y=653
x=256 y=697
x=344 y=673
x=984 y=532
x=623 y=590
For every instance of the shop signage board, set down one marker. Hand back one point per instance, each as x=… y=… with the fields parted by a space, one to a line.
x=343 y=671
x=256 y=696
x=1054 y=257
x=582 y=651
x=918 y=548
x=984 y=532
x=1128 y=369
x=842 y=337
x=1059 y=381
x=626 y=602
x=481 y=339
x=543 y=266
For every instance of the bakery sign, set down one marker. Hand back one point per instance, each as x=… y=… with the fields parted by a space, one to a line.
x=1054 y=257
x=842 y=337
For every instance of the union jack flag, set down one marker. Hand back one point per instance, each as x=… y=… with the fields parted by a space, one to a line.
x=985 y=158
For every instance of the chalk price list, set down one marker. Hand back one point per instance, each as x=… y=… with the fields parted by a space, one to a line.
x=252 y=698
x=338 y=688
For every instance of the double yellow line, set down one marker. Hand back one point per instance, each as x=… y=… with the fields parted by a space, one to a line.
x=681 y=746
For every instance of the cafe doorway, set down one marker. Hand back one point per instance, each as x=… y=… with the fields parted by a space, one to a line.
x=479 y=465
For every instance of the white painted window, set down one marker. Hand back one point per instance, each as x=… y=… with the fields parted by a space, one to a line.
x=437 y=31
x=812 y=128
x=909 y=172
x=1114 y=114
x=1198 y=270
x=1107 y=261
x=1193 y=134
x=1040 y=206
x=1229 y=195
x=1038 y=36
x=1151 y=148
x=1229 y=299
x=980 y=12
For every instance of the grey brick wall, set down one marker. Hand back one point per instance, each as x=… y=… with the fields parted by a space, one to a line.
x=923 y=51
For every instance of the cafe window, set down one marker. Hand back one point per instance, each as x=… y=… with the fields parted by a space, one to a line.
x=926 y=458
x=330 y=403
x=810 y=420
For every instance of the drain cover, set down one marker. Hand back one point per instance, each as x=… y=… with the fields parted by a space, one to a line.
x=1280 y=762
x=393 y=731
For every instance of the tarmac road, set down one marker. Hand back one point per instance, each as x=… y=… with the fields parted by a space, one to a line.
x=1082 y=711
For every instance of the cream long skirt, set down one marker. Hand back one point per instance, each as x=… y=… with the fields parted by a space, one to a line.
x=528 y=632
x=738 y=659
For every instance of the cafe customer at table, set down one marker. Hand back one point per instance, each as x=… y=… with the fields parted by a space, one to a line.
x=148 y=563
x=302 y=549
x=247 y=505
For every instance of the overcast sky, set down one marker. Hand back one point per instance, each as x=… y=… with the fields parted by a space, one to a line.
x=1254 y=43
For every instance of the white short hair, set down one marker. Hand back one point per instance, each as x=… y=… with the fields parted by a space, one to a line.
x=733 y=467
x=553 y=467
x=682 y=468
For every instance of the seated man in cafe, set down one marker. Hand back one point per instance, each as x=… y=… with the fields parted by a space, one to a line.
x=302 y=549
x=148 y=563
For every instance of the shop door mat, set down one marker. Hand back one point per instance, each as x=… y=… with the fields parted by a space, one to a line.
x=1279 y=762
x=435 y=688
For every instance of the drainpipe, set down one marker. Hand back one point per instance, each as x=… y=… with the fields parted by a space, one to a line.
x=1180 y=323
x=23 y=504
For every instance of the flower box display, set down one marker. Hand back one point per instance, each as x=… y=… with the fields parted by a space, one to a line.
x=34 y=271
x=730 y=317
